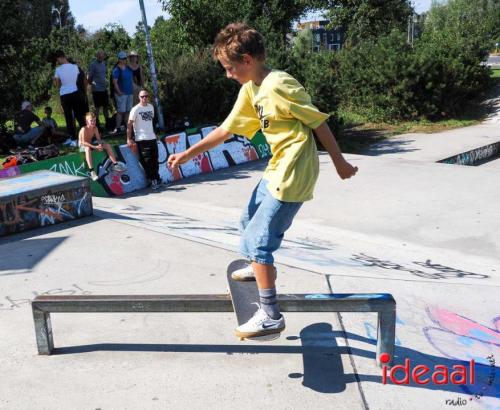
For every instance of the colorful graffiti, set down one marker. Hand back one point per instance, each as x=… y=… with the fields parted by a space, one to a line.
x=236 y=150
x=23 y=207
x=460 y=338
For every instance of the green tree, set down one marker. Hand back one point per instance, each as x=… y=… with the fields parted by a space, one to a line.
x=195 y=23
x=368 y=19
x=23 y=23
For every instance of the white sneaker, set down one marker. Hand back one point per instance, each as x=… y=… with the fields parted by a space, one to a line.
x=244 y=274
x=259 y=325
x=118 y=167
x=69 y=141
x=93 y=176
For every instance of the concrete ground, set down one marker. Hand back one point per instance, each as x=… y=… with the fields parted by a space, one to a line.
x=428 y=233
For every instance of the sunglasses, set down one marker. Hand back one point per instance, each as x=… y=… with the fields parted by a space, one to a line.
x=144 y=96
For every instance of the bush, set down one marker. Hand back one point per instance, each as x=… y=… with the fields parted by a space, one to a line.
x=194 y=86
x=388 y=80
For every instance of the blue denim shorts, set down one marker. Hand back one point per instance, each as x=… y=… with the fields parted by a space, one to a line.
x=124 y=102
x=263 y=224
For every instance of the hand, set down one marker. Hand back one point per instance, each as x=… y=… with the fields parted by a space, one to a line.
x=345 y=170
x=175 y=160
x=130 y=142
x=99 y=147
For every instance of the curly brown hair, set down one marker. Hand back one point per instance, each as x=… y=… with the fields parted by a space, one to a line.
x=237 y=39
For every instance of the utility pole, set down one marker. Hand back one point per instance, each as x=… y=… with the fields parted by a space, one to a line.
x=152 y=67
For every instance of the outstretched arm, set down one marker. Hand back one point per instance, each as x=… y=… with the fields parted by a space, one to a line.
x=216 y=137
x=325 y=135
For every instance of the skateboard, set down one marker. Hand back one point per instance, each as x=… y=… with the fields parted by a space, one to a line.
x=245 y=298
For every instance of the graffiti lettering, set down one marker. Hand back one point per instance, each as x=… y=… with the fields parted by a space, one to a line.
x=52 y=199
x=15 y=303
x=441 y=272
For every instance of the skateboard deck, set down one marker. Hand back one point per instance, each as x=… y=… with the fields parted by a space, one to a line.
x=245 y=298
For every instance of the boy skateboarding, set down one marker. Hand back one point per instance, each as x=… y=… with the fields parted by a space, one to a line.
x=273 y=101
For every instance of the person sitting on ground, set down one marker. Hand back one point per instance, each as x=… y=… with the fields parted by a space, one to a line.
x=51 y=125
x=24 y=134
x=89 y=139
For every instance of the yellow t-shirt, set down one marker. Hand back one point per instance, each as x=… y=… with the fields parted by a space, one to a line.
x=283 y=110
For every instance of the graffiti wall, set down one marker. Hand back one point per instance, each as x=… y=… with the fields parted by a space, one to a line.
x=474 y=157
x=236 y=150
x=42 y=198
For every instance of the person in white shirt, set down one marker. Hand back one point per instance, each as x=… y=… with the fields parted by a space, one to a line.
x=65 y=78
x=140 y=121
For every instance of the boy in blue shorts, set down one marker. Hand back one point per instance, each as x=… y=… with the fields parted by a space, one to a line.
x=276 y=103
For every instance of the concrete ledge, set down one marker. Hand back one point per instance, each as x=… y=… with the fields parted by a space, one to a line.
x=42 y=198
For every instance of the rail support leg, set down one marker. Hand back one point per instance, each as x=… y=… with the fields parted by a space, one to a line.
x=386 y=334
x=43 y=331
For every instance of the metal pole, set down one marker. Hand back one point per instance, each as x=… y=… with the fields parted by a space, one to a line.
x=152 y=67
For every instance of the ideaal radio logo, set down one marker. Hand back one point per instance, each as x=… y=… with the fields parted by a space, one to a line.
x=421 y=374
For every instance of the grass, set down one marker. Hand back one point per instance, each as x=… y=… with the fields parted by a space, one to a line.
x=357 y=133
x=61 y=123
x=496 y=74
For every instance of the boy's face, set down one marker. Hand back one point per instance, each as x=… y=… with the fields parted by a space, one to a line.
x=240 y=71
x=48 y=113
x=90 y=121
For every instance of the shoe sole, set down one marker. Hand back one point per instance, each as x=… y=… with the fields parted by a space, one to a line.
x=243 y=278
x=247 y=335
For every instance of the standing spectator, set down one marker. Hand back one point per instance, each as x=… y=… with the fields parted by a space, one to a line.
x=97 y=78
x=65 y=78
x=123 y=85
x=133 y=63
x=141 y=121
x=24 y=134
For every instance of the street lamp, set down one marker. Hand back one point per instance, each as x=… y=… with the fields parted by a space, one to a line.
x=152 y=66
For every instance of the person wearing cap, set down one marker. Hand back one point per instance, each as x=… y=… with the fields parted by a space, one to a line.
x=133 y=63
x=124 y=88
x=97 y=78
x=24 y=134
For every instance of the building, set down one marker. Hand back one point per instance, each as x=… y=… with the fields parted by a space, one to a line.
x=323 y=38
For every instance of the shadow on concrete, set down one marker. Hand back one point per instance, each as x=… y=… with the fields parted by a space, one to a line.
x=22 y=256
x=322 y=365
x=48 y=229
x=20 y=252
x=390 y=146
x=240 y=171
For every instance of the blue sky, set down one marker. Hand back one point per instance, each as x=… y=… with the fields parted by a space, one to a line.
x=94 y=14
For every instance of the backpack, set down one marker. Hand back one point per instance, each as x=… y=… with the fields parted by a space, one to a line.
x=49 y=151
